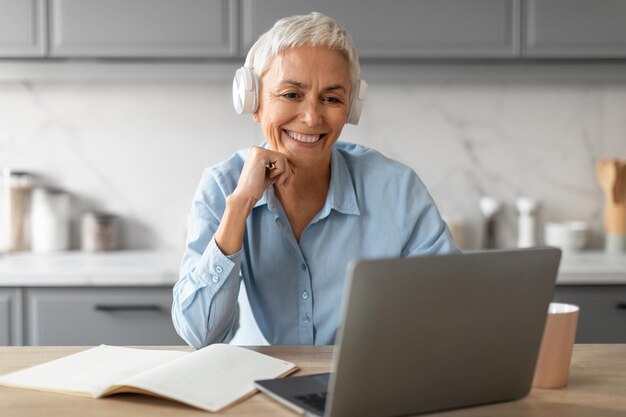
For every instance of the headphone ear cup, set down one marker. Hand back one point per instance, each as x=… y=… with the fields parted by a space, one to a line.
x=245 y=91
x=356 y=106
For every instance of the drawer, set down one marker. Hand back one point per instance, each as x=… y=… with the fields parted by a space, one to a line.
x=602 y=311
x=93 y=316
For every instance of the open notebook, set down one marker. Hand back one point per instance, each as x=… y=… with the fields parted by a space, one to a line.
x=211 y=378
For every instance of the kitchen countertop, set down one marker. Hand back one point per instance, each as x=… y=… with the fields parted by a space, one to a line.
x=75 y=268
x=592 y=268
x=160 y=267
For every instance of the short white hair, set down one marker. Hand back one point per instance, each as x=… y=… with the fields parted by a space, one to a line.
x=312 y=29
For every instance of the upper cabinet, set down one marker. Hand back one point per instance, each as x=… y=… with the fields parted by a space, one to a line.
x=404 y=28
x=399 y=29
x=575 y=29
x=22 y=28
x=142 y=28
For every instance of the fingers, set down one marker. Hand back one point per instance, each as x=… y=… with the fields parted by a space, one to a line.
x=277 y=166
x=281 y=175
x=263 y=168
x=275 y=161
x=283 y=179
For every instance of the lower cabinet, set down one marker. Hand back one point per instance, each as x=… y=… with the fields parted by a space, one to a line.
x=602 y=317
x=10 y=317
x=126 y=316
x=93 y=316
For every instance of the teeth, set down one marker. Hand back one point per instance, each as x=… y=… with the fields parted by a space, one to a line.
x=303 y=138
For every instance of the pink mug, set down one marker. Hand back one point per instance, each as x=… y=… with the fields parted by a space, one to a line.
x=555 y=354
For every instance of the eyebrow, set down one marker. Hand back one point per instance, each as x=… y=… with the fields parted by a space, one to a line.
x=304 y=86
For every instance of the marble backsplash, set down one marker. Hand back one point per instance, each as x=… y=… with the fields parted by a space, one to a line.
x=138 y=149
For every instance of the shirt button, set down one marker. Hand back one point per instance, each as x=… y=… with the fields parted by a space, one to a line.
x=305 y=295
x=216 y=279
x=219 y=269
x=303 y=266
x=307 y=320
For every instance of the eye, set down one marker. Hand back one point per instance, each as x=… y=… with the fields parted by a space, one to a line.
x=291 y=96
x=332 y=100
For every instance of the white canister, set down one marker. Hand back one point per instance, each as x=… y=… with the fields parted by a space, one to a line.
x=50 y=220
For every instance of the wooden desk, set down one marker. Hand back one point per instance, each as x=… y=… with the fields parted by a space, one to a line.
x=597 y=388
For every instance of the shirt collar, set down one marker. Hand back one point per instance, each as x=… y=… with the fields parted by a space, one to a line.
x=341 y=194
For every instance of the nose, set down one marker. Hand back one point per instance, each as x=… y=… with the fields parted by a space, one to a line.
x=311 y=114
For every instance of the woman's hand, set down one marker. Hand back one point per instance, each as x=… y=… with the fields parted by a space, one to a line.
x=263 y=167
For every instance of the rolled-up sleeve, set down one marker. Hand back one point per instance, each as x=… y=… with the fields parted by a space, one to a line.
x=204 y=308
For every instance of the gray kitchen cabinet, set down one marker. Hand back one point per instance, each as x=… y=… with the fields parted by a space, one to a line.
x=92 y=316
x=602 y=317
x=575 y=29
x=143 y=28
x=22 y=28
x=404 y=28
x=10 y=317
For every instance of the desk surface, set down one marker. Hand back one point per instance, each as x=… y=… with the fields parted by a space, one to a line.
x=597 y=388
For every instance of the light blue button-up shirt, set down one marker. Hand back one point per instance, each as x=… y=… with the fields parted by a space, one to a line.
x=376 y=207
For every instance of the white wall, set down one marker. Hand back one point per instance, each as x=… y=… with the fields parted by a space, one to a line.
x=138 y=148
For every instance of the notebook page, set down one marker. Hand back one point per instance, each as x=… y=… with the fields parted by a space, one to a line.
x=89 y=372
x=211 y=378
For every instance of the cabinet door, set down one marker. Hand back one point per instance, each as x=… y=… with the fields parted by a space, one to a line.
x=91 y=316
x=404 y=28
x=143 y=28
x=602 y=317
x=575 y=28
x=10 y=317
x=22 y=27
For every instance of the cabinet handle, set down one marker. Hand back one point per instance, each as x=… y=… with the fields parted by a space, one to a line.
x=621 y=305
x=127 y=307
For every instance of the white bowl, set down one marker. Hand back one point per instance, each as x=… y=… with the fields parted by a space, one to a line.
x=566 y=235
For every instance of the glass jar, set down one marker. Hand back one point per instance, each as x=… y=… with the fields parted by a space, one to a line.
x=15 y=195
x=99 y=231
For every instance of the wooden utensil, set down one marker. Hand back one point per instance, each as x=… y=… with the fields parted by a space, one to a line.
x=611 y=175
x=620 y=182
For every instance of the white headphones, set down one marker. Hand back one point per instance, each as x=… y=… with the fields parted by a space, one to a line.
x=246 y=94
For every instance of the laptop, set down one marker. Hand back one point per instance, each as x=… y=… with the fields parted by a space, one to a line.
x=431 y=333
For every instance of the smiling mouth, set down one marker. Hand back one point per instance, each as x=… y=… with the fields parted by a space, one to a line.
x=300 y=137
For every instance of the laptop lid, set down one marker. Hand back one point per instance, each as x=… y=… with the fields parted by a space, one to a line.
x=439 y=332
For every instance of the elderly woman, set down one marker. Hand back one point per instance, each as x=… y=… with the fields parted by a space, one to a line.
x=287 y=217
